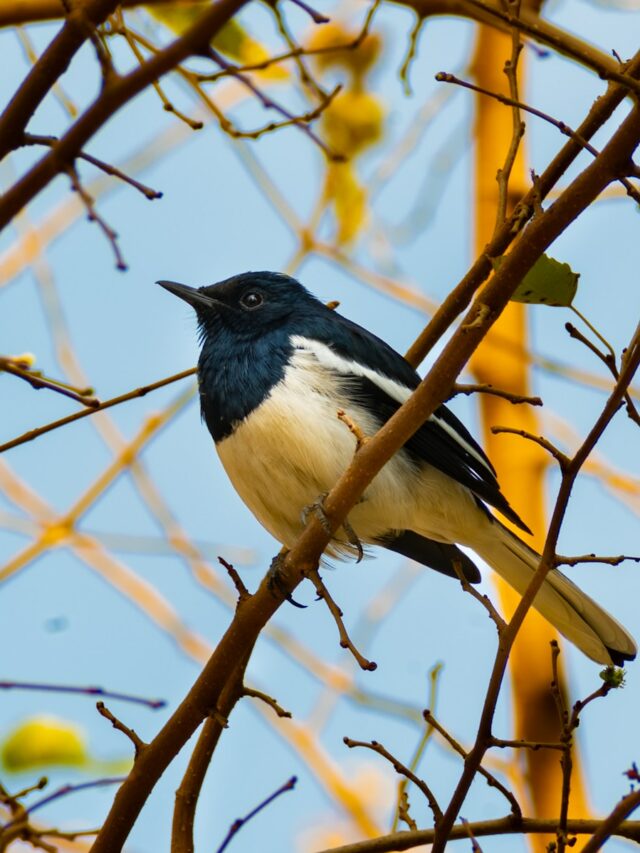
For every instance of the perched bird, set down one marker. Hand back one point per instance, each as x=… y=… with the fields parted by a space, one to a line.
x=276 y=366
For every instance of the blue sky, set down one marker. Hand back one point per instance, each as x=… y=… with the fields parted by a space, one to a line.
x=60 y=621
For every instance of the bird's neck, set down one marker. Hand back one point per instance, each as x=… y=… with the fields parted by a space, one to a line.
x=236 y=376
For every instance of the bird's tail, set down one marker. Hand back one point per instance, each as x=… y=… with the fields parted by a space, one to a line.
x=559 y=600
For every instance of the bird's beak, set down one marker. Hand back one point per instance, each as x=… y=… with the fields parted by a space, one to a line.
x=192 y=295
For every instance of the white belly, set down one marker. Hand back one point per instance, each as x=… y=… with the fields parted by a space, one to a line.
x=293 y=448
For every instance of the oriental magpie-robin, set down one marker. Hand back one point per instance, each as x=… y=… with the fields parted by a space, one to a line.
x=277 y=364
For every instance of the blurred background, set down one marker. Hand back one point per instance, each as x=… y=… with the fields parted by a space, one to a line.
x=110 y=527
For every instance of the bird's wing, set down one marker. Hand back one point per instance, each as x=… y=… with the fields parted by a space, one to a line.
x=379 y=379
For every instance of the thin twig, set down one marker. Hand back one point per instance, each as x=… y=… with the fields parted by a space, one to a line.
x=138 y=743
x=289 y=785
x=107 y=404
x=518 y=127
x=94 y=216
x=484 y=600
x=62 y=792
x=484 y=388
x=561 y=458
x=345 y=639
x=516 y=810
x=268 y=700
x=87 y=691
x=38 y=381
x=301 y=121
x=594 y=558
x=107 y=168
x=400 y=768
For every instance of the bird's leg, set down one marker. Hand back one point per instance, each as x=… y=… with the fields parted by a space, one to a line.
x=317 y=508
x=275 y=580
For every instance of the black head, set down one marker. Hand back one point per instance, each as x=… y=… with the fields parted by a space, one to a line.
x=247 y=305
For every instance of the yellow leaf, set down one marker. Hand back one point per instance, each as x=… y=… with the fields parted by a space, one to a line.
x=355 y=60
x=353 y=121
x=43 y=741
x=233 y=39
x=349 y=200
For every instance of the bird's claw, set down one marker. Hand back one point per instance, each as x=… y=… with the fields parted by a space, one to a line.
x=317 y=508
x=275 y=581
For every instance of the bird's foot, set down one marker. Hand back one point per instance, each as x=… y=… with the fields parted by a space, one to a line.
x=276 y=582
x=317 y=508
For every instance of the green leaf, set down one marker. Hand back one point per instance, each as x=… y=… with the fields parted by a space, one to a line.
x=548 y=282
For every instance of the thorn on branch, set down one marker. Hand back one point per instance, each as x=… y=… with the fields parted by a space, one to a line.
x=243 y=592
x=138 y=744
x=354 y=428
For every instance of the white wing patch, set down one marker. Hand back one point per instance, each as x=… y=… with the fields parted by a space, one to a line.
x=396 y=390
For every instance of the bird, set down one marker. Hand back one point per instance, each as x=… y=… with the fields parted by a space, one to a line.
x=277 y=364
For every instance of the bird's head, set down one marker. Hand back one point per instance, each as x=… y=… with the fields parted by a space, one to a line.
x=248 y=305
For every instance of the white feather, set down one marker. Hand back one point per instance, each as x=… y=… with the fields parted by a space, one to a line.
x=396 y=390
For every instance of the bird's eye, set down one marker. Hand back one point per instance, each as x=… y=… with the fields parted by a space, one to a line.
x=251 y=299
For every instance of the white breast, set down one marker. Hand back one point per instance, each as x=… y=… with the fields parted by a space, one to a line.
x=293 y=448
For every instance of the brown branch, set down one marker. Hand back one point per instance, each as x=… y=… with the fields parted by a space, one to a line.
x=138 y=744
x=115 y=94
x=400 y=768
x=561 y=458
x=243 y=592
x=242 y=633
x=460 y=297
x=593 y=558
x=490 y=778
x=569 y=475
x=608 y=358
x=268 y=700
x=536 y=27
x=188 y=791
x=445 y=77
x=613 y=823
x=484 y=600
x=49 y=68
x=509 y=825
x=107 y=404
x=107 y=168
x=94 y=216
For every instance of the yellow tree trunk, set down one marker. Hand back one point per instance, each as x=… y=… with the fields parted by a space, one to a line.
x=520 y=464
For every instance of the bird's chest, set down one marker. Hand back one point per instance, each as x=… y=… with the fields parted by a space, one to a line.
x=292 y=448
